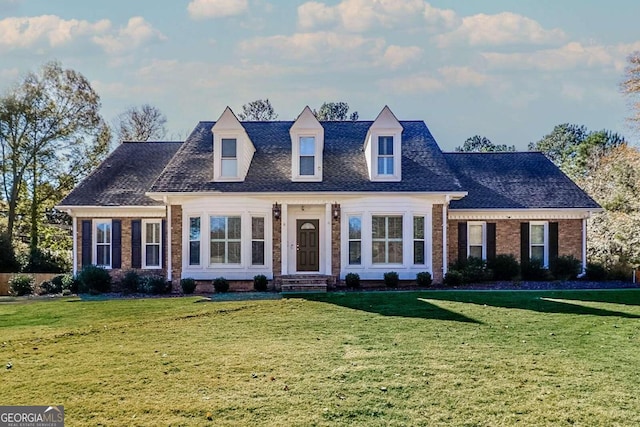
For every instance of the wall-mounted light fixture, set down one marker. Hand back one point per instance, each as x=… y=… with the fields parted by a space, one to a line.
x=335 y=210
x=276 y=211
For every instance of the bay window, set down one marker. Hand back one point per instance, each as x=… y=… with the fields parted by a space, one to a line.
x=226 y=235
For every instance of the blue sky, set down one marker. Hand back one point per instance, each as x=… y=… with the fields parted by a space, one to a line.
x=506 y=70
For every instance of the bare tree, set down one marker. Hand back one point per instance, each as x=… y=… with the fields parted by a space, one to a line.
x=631 y=85
x=259 y=110
x=144 y=123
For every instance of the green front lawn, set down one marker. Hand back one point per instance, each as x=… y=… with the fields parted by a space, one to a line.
x=371 y=359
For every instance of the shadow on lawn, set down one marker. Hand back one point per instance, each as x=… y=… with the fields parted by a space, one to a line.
x=544 y=301
x=391 y=304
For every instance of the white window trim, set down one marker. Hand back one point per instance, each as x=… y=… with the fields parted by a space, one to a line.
x=188 y=240
x=317 y=156
x=484 y=238
x=413 y=240
x=144 y=244
x=263 y=240
x=349 y=239
x=217 y=154
x=96 y=222
x=397 y=156
x=226 y=240
x=235 y=159
x=545 y=261
x=387 y=239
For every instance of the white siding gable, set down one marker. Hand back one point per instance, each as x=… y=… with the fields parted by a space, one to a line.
x=307 y=145
x=231 y=160
x=383 y=148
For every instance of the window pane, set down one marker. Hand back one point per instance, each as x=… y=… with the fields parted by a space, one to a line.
x=475 y=234
x=218 y=227
x=418 y=252
x=234 y=252
x=307 y=164
x=194 y=253
x=385 y=146
x=228 y=148
x=153 y=256
x=217 y=252
x=395 y=227
x=418 y=227
x=537 y=252
x=234 y=227
x=257 y=228
x=475 y=251
x=378 y=252
x=395 y=252
x=103 y=233
x=378 y=229
x=257 y=253
x=355 y=227
x=307 y=146
x=537 y=234
x=229 y=167
x=103 y=255
x=194 y=228
x=355 y=253
x=152 y=233
x=385 y=165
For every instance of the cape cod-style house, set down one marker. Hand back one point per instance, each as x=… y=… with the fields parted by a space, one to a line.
x=293 y=198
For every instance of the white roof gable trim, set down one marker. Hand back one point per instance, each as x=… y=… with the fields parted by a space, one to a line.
x=229 y=127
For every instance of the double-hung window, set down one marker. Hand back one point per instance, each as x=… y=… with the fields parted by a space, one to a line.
x=257 y=240
x=226 y=235
x=385 y=155
x=307 y=155
x=476 y=246
x=538 y=242
x=103 y=243
x=194 y=240
x=386 y=236
x=355 y=240
x=151 y=240
x=418 y=241
x=229 y=157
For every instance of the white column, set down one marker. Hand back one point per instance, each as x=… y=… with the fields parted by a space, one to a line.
x=328 y=223
x=168 y=237
x=74 y=232
x=444 y=236
x=284 y=240
x=584 y=245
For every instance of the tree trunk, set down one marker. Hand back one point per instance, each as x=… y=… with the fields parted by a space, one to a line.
x=34 y=207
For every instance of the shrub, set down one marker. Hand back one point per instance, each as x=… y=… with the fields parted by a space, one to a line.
x=504 y=267
x=352 y=280
x=130 y=282
x=94 y=279
x=44 y=261
x=620 y=271
x=8 y=261
x=533 y=270
x=153 y=285
x=220 y=284
x=473 y=270
x=70 y=284
x=565 y=267
x=21 y=284
x=260 y=282
x=391 y=279
x=423 y=278
x=188 y=285
x=53 y=286
x=453 y=278
x=596 y=272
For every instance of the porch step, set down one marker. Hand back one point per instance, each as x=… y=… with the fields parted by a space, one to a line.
x=304 y=283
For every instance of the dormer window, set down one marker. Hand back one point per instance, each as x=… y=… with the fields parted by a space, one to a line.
x=383 y=148
x=385 y=155
x=229 y=157
x=307 y=144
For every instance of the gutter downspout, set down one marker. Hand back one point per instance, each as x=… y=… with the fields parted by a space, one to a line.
x=584 y=245
x=444 y=235
x=75 y=244
x=169 y=253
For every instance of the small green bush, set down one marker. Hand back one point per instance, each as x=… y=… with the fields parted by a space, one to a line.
x=260 y=282
x=424 y=278
x=352 y=280
x=188 y=285
x=533 y=270
x=130 y=282
x=453 y=278
x=391 y=279
x=153 y=285
x=21 y=284
x=221 y=284
x=596 y=272
x=504 y=267
x=69 y=284
x=53 y=286
x=94 y=279
x=620 y=271
x=565 y=267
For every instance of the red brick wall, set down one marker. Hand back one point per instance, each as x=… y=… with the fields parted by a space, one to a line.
x=176 y=247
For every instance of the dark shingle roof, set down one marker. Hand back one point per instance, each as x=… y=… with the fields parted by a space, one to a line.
x=344 y=170
x=124 y=177
x=514 y=181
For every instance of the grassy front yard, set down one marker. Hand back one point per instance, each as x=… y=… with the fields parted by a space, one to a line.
x=375 y=359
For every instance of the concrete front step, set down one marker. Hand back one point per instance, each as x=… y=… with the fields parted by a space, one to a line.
x=312 y=288
x=304 y=283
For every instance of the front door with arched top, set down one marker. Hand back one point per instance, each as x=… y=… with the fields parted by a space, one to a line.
x=308 y=245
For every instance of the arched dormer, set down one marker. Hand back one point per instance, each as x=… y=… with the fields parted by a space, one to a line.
x=307 y=145
x=383 y=148
x=232 y=148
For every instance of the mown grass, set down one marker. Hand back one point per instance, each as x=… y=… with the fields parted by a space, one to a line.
x=374 y=359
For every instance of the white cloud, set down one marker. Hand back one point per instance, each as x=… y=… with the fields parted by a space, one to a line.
x=365 y=15
x=202 y=9
x=501 y=29
x=396 y=56
x=27 y=32
x=138 y=32
x=463 y=76
x=413 y=84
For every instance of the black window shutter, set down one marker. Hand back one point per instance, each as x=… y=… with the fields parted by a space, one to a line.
x=524 y=242
x=164 y=243
x=86 y=242
x=136 y=243
x=491 y=240
x=116 y=243
x=553 y=242
x=462 y=241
